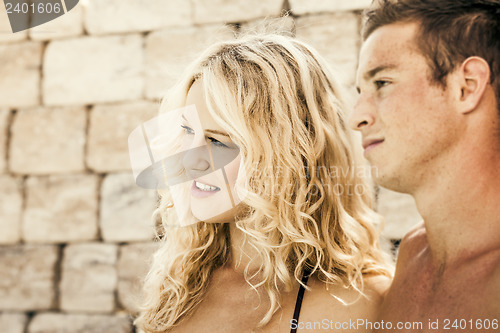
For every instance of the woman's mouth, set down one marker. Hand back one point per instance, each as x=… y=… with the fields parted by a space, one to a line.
x=201 y=190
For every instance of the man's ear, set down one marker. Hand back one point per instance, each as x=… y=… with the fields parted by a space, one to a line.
x=474 y=77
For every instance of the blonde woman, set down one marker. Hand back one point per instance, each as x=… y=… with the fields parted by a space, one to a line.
x=281 y=235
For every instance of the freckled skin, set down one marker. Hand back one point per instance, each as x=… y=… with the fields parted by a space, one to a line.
x=447 y=157
x=423 y=291
x=409 y=112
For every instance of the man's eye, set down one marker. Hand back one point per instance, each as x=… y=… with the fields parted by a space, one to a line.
x=187 y=130
x=217 y=143
x=381 y=83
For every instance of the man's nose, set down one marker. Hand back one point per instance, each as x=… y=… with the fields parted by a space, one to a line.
x=362 y=114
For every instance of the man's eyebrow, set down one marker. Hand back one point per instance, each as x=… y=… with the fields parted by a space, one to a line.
x=372 y=72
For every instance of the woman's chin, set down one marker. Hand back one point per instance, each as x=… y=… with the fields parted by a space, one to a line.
x=221 y=216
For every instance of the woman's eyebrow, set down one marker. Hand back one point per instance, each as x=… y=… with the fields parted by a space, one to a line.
x=216 y=132
x=210 y=131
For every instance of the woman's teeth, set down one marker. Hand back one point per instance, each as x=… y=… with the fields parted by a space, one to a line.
x=204 y=187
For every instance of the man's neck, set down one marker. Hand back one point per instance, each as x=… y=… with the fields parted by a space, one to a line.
x=461 y=207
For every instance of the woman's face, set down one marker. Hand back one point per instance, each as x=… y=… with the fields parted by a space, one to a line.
x=211 y=161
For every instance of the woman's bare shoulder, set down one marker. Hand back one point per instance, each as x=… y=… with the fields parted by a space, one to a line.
x=336 y=305
x=413 y=242
x=377 y=285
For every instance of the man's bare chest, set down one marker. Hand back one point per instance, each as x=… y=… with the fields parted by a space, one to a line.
x=426 y=301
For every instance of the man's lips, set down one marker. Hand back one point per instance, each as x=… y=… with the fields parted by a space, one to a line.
x=370 y=142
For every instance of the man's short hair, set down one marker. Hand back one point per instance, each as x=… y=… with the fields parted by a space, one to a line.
x=450 y=31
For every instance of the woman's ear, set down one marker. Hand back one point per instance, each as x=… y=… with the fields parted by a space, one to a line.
x=474 y=77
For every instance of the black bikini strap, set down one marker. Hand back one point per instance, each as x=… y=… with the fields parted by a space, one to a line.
x=298 y=302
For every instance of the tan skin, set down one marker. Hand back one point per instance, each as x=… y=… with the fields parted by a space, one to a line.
x=441 y=146
x=425 y=289
x=231 y=305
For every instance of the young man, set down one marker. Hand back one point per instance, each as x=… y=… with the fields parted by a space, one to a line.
x=428 y=110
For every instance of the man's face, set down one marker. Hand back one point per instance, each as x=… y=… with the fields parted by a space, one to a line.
x=407 y=122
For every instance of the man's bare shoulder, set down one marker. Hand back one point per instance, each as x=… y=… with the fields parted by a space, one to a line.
x=496 y=285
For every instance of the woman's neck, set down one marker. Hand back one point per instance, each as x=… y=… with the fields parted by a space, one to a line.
x=242 y=253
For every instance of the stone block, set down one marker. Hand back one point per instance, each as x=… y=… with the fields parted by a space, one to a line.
x=126 y=210
x=118 y=16
x=60 y=209
x=13 y=322
x=399 y=211
x=110 y=126
x=168 y=52
x=269 y=25
x=88 y=279
x=20 y=74
x=232 y=11
x=11 y=202
x=4 y=124
x=27 y=277
x=6 y=34
x=133 y=265
x=336 y=38
x=91 y=70
x=79 y=323
x=301 y=7
x=48 y=141
x=67 y=25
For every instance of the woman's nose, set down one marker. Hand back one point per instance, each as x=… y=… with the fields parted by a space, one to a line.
x=196 y=160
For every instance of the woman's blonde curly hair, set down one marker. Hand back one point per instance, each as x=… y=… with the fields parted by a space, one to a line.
x=310 y=209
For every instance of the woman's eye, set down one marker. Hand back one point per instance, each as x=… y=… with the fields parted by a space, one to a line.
x=217 y=143
x=381 y=83
x=187 y=130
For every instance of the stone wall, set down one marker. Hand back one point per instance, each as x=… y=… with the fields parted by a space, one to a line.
x=75 y=231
